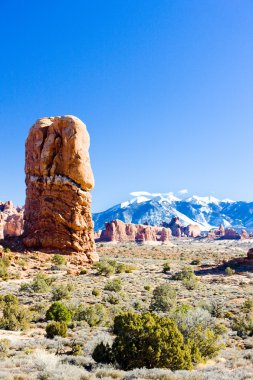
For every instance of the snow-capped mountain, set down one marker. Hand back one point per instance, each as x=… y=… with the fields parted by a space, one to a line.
x=153 y=209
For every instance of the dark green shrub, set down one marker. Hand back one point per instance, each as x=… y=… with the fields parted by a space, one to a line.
x=149 y=340
x=147 y=287
x=114 y=285
x=94 y=315
x=195 y=262
x=164 y=298
x=56 y=329
x=166 y=267
x=58 y=312
x=102 y=353
x=59 y=260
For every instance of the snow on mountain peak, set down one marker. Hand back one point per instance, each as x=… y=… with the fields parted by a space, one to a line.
x=202 y=200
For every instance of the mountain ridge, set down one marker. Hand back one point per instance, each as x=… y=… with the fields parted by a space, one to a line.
x=155 y=208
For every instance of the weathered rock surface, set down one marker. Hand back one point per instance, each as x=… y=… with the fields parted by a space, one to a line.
x=192 y=230
x=58 y=179
x=118 y=231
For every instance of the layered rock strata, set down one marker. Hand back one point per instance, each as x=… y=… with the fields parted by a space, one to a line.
x=59 y=179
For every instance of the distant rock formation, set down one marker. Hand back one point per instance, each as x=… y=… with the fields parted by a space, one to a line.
x=59 y=179
x=228 y=233
x=118 y=231
x=11 y=220
x=192 y=230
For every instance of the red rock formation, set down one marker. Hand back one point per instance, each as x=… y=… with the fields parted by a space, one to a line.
x=118 y=231
x=230 y=233
x=193 y=230
x=244 y=234
x=58 y=179
x=14 y=225
x=11 y=220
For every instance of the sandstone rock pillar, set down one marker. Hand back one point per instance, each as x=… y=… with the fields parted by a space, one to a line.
x=58 y=183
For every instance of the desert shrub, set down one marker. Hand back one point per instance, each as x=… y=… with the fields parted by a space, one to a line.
x=94 y=315
x=7 y=250
x=147 y=287
x=104 y=268
x=83 y=271
x=4 y=265
x=59 y=260
x=247 y=306
x=40 y=284
x=15 y=316
x=149 y=340
x=56 y=329
x=112 y=298
x=60 y=292
x=58 y=312
x=243 y=324
x=95 y=292
x=4 y=347
x=229 y=271
x=102 y=353
x=107 y=268
x=200 y=331
x=185 y=274
x=166 y=267
x=195 y=262
x=114 y=285
x=215 y=308
x=164 y=298
x=191 y=283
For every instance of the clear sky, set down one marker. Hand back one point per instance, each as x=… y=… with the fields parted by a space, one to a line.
x=165 y=88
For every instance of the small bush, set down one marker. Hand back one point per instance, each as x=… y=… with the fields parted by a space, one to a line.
x=104 y=268
x=191 y=283
x=94 y=315
x=147 y=287
x=40 y=284
x=229 y=271
x=164 y=298
x=56 y=329
x=166 y=267
x=59 y=260
x=15 y=316
x=59 y=313
x=195 y=262
x=114 y=285
x=247 y=306
x=4 y=265
x=96 y=292
x=112 y=298
x=4 y=347
x=61 y=291
x=185 y=274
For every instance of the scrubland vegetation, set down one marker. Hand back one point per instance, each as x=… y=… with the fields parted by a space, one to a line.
x=142 y=312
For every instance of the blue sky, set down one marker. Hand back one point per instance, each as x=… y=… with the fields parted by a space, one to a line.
x=164 y=87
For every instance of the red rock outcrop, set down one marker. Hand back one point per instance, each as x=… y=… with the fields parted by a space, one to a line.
x=11 y=220
x=193 y=230
x=14 y=225
x=250 y=254
x=118 y=231
x=59 y=179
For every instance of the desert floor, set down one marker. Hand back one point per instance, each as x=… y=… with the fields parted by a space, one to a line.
x=31 y=355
